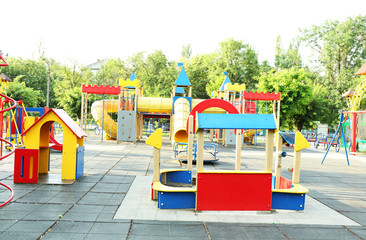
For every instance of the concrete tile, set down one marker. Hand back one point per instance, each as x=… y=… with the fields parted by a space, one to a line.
x=19 y=235
x=5 y=224
x=64 y=236
x=189 y=230
x=72 y=227
x=103 y=236
x=31 y=226
x=77 y=216
x=111 y=228
x=150 y=229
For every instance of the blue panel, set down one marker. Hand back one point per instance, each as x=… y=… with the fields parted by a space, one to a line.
x=40 y=110
x=79 y=162
x=179 y=177
x=176 y=200
x=288 y=137
x=226 y=81
x=236 y=121
x=288 y=201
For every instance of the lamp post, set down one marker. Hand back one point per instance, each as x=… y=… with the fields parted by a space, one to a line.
x=48 y=81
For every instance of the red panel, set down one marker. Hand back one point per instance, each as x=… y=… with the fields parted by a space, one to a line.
x=109 y=90
x=262 y=96
x=30 y=170
x=234 y=191
x=5 y=63
x=285 y=183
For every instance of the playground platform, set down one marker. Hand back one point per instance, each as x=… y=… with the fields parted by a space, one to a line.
x=112 y=199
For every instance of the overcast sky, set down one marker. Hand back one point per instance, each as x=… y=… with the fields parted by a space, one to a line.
x=89 y=30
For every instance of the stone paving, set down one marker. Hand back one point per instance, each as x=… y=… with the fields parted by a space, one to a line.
x=87 y=209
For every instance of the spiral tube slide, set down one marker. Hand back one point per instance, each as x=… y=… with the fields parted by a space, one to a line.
x=103 y=119
x=12 y=146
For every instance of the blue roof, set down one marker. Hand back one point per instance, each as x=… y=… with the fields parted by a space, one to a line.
x=133 y=76
x=226 y=81
x=179 y=90
x=182 y=79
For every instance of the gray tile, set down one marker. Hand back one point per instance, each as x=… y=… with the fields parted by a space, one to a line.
x=264 y=232
x=217 y=230
x=30 y=226
x=77 y=216
x=111 y=228
x=46 y=215
x=13 y=214
x=19 y=235
x=87 y=208
x=103 y=236
x=5 y=224
x=150 y=229
x=151 y=237
x=64 y=236
x=317 y=232
x=72 y=227
x=190 y=230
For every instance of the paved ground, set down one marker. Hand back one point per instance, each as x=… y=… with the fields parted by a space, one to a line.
x=87 y=209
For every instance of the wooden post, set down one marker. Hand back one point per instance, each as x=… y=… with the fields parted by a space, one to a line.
x=156 y=170
x=269 y=150
x=200 y=142
x=190 y=143
x=190 y=91
x=82 y=111
x=211 y=135
x=296 y=168
x=278 y=160
x=238 y=150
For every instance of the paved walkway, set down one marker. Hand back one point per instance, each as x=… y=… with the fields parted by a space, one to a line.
x=94 y=207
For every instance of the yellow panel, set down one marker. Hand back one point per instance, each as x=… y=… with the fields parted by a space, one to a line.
x=69 y=155
x=235 y=87
x=128 y=83
x=156 y=138
x=300 y=142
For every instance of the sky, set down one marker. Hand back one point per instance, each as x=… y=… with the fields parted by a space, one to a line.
x=85 y=31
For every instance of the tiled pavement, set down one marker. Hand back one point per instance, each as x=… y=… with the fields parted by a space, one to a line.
x=86 y=209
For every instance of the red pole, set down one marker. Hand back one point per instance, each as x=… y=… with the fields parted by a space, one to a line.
x=354 y=134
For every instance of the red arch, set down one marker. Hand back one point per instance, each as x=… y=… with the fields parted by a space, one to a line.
x=209 y=103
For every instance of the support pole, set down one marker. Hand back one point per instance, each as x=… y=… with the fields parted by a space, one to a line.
x=156 y=171
x=278 y=160
x=190 y=143
x=269 y=150
x=200 y=142
x=296 y=168
x=238 y=150
x=354 y=134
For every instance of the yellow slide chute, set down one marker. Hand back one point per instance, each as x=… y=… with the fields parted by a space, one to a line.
x=107 y=123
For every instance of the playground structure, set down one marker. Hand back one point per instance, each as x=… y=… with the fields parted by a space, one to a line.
x=34 y=159
x=235 y=190
x=4 y=81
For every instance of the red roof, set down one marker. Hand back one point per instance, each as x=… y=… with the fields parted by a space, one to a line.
x=65 y=118
x=262 y=96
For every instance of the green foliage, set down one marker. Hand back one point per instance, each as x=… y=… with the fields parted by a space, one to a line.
x=71 y=102
x=298 y=101
x=18 y=91
x=287 y=58
x=240 y=61
x=111 y=72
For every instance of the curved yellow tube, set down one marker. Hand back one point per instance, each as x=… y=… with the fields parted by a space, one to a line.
x=181 y=112
x=109 y=126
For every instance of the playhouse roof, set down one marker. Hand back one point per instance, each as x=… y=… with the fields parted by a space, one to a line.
x=226 y=81
x=179 y=90
x=182 y=79
x=65 y=118
x=133 y=76
x=4 y=77
x=362 y=70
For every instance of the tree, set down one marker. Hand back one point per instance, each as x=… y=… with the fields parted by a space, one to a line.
x=111 y=72
x=240 y=61
x=299 y=106
x=71 y=102
x=339 y=49
x=18 y=91
x=287 y=58
x=186 y=51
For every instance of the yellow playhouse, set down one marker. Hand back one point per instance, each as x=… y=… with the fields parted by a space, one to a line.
x=34 y=159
